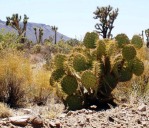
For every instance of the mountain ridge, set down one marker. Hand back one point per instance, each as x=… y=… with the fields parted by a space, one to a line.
x=47 y=31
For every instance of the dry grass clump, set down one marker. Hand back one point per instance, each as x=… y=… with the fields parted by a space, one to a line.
x=40 y=89
x=5 y=111
x=51 y=110
x=15 y=77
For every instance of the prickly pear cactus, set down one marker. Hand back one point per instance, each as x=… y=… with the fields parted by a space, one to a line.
x=128 y=52
x=89 y=80
x=69 y=84
x=90 y=39
x=137 y=41
x=88 y=76
x=122 y=39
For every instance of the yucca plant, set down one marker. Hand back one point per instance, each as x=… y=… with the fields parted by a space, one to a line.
x=88 y=76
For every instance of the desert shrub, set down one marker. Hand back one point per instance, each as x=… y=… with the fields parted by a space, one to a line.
x=4 y=111
x=73 y=42
x=15 y=77
x=36 y=48
x=10 y=40
x=40 y=89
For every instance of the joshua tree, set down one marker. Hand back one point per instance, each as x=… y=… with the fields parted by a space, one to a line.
x=147 y=36
x=106 y=17
x=14 y=22
x=39 y=38
x=54 y=28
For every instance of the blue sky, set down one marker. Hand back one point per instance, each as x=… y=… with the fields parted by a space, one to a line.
x=75 y=17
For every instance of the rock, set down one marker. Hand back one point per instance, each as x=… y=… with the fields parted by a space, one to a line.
x=19 y=120
x=27 y=111
x=142 y=108
x=69 y=113
x=111 y=119
x=37 y=122
x=58 y=124
x=62 y=115
x=52 y=124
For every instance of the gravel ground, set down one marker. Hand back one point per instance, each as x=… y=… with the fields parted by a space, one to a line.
x=123 y=116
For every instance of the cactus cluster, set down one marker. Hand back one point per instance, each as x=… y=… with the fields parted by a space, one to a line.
x=88 y=76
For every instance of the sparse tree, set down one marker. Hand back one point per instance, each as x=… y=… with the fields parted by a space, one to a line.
x=40 y=35
x=54 y=28
x=106 y=16
x=14 y=22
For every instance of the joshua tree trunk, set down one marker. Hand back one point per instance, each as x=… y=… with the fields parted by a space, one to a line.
x=55 y=37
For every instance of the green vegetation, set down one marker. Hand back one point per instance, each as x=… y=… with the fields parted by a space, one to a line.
x=91 y=78
x=90 y=39
x=81 y=74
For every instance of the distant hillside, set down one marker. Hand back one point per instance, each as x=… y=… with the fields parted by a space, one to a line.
x=30 y=32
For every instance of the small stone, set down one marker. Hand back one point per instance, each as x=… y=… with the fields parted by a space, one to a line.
x=111 y=119
x=138 y=121
x=88 y=118
x=142 y=108
x=90 y=111
x=27 y=111
x=58 y=124
x=62 y=115
x=52 y=124
x=93 y=107
x=36 y=122
x=69 y=113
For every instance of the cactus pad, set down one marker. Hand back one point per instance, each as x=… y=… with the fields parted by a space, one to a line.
x=97 y=69
x=59 y=60
x=73 y=102
x=89 y=80
x=125 y=75
x=79 y=62
x=137 y=41
x=138 y=67
x=90 y=39
x=101 y=48
x=56 y=75
x=122 y=40
x=128 y=52
x=69 y=84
